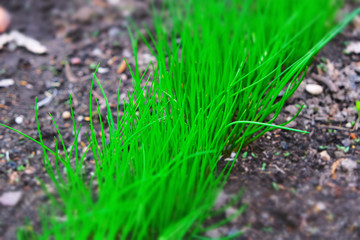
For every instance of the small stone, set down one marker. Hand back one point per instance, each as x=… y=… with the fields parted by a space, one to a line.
x=314 y=89
x=325 y=156
x=10 y=198
x=102 y=70
x=75 y=61
x=346 y=142
x=283 y=145
x=97 y=52
x=6 y=82
x=84 y=14
x=113 y=32
x=66 y=115
x=292 y=109
x=348 y=125
x=5 y=19
x=19 y=120
x=80 y=118
x=229 y=212
x=319 y=206
x=348 y=164
x=123 y=77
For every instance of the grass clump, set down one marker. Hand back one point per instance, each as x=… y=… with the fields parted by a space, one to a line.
x=224 y=70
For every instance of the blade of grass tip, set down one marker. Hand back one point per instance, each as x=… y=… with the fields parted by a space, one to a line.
x=118 y=105
x=110 y=118
x=103 y=138
x=75 y=132
x=282 y=124
x=267 y=125
x=232 y=236
x=135 y=47
x=57 y=162
x=61 y=139
x=94 y=146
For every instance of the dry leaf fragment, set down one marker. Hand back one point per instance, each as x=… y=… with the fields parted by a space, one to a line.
x=122 y=67
x=353 y=47
x=22 y=40
x=68 y=73
x=352 y=136
x=334 y=166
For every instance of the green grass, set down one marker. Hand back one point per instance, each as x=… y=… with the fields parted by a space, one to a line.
x=215 y=87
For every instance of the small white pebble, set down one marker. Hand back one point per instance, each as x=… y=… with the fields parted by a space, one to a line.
x=10 y=198
x=80 y=118
x=19 y=120
x=319 y=206
x=348 y=125
x=66 y=115
x=314 y=89
x=123 y=76
x=102 y=70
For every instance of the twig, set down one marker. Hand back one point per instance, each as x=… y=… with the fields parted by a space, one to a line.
x=327 y=82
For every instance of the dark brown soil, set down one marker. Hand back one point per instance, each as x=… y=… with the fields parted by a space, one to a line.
x=294 y=190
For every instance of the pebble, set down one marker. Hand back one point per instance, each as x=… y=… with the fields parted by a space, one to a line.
x=66 y=115
x=348 y=164
x=97 y=52
x=5 y=19
x=6 y=82
x=10 y=198
x=292 y=109
x=84 y=14
x=123 y=77
x=319 y=206
x=113 y=32
x=348 y=125
x=314 y=89
x=346 y=142
x=75 y=61
x=102 y=70
x=80 y=118
x=325 y=156
x=19 y=120
x=283 y=145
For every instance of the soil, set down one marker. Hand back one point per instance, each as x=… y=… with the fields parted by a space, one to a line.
x=296 y=186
